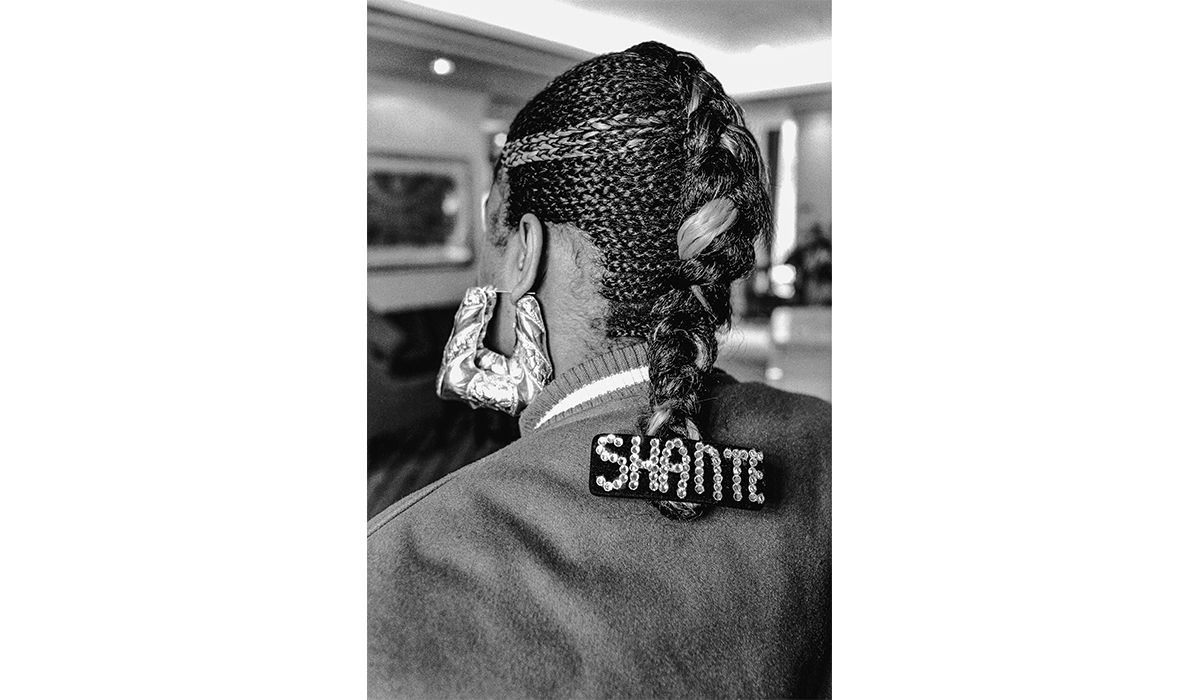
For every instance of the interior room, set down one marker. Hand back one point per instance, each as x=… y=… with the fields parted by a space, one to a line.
x=446 y=79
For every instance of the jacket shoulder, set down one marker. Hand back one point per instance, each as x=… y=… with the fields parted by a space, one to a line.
x=793 y=431
x=751 y=406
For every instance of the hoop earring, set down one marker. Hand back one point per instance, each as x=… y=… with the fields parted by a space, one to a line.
x=482 y=377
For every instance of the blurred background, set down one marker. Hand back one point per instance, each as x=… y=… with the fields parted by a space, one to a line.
x=446 y=78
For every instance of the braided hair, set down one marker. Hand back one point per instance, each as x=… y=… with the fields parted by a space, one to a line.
x=644 y=152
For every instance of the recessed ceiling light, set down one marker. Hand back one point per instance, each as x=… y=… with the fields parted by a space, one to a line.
x=441 y=66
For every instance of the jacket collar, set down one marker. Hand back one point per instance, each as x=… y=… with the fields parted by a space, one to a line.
x=617 y=374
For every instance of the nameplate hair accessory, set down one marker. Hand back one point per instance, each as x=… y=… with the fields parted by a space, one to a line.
x=677 y=469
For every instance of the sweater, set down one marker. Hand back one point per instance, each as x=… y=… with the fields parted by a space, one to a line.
x=508 y=578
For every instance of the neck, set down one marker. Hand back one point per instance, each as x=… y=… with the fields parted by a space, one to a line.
x=571 y=303
x=571 y=337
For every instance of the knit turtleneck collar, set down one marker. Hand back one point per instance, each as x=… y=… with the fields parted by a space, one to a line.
x=616 y=374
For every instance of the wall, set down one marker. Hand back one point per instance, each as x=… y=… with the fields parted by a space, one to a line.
x=814 y=170
x=811 y=112
x=426 y=120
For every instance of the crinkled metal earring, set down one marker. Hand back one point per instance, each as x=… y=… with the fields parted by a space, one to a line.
x=481 y=377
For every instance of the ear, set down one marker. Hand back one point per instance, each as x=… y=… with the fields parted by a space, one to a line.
x=529 y=239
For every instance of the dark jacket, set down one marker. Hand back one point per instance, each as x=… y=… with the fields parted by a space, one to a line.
x=509 y=578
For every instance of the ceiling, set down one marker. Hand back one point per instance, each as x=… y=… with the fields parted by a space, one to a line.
x=509 y=87
x=755 y=47
x=728 y=25
x=508 y=67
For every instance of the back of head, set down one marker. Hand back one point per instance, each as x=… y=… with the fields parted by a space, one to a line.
x=644 y=153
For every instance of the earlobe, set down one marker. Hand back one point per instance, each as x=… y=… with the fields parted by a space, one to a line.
x=532 y=235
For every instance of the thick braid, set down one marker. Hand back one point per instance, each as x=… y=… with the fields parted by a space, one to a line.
x=722 y=161
x=631 y=147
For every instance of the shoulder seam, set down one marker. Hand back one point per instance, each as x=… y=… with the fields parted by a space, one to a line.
x=402 y=507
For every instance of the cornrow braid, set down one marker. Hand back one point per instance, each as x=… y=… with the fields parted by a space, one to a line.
x=641 y=150
x=616 y=133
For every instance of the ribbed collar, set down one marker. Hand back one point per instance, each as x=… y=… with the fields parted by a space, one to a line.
x=617 y=374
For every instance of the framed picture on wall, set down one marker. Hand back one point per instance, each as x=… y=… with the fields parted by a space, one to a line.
x=419 y=211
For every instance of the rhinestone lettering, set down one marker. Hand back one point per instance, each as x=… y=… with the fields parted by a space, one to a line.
x=734 y=474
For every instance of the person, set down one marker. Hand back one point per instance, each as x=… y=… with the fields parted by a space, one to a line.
x=812 y=261
x=627 y=199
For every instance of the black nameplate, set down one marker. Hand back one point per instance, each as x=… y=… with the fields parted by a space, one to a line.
x=676 y=469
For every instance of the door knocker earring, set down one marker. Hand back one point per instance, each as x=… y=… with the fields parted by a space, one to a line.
x=481 y=377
